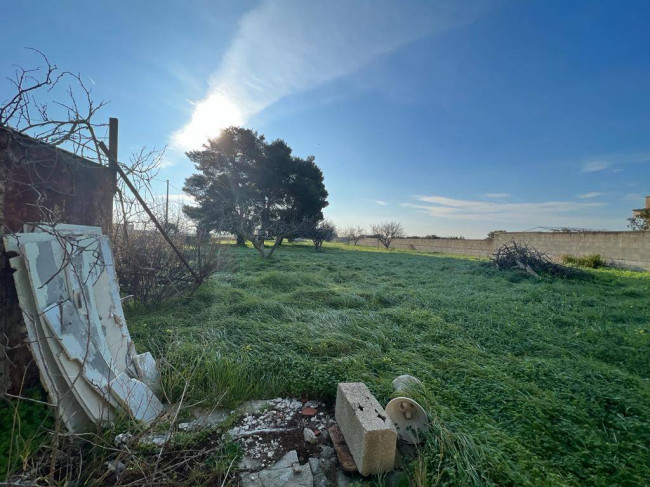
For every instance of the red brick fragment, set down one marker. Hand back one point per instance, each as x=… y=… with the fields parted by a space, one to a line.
x=309 y=411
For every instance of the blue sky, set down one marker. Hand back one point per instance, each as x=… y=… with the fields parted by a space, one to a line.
x=455 y=118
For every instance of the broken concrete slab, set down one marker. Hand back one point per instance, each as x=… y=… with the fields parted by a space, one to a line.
x=156 y=439
x=205 y=419
x=136 y=398
x=70 y=390
x=75 y=323
x=367 y=429
x=145 y=365
x=286 y=472
x=320 y=469
x=58 y=388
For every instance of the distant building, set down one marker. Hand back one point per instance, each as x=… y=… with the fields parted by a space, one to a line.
x=638 y=211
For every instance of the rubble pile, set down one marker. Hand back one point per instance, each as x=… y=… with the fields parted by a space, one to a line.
x=268 y=430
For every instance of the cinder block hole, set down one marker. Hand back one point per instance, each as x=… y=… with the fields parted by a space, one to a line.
x=380 y=416
x=360 y=407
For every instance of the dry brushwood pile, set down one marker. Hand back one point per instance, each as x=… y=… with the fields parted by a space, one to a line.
x=513 y=255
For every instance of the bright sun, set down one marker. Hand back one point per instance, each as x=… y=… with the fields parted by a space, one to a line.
x=210 y=115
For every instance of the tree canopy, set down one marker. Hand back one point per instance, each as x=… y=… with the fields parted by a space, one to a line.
x=254 y=189
x=640 y=221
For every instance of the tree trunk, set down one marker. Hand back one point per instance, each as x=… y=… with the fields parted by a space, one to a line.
x=259 y=246
x=241 y=240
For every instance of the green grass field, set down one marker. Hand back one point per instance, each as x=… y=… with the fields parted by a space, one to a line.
x=527 y=382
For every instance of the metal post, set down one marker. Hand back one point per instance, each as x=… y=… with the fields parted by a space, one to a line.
x=112 y=161
x=167 y=207
x=112 y=144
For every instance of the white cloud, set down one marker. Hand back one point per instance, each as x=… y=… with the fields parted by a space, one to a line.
x=497 y=196
x=595 y=166
x=380 y=202
x=551 y=213
x=288 y=46
x=592 y=194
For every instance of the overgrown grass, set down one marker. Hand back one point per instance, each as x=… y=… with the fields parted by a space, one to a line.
x=593 y=261
x=527 y=382
x=24 y=425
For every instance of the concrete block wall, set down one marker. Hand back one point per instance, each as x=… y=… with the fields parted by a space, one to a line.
x=625 y=249
x=476 y=248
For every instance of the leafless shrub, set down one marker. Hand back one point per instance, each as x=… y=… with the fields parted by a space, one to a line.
x=513 y=255
x=147 y=267
x=57 y=107
x=353 y=234
x=385 y=232
x=53 y=106
x=149 y=270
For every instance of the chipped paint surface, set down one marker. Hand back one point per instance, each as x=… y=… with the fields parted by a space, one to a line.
x=70 y=298
x=136 y=397
x=147 y=370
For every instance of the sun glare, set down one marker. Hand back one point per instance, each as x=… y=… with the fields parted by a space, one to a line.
x=210 y=116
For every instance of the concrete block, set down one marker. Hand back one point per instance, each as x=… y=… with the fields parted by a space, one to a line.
x=367 y=429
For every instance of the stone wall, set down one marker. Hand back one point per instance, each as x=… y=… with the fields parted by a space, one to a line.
x=625 y=249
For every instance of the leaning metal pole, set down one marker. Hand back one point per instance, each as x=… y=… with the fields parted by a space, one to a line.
x=160 y=228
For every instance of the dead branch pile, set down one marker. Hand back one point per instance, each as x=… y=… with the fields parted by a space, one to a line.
x=513 y=255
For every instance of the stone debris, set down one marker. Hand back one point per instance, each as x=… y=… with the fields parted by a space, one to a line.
x=205 y=419
x=268 y=429
x=68 y=292
x=342 y=480
x=286 y=472
x=156 y=439
x=367 y=429
x=309 y=411
x=280 y=445
x=310 y=436
x=115 y=466
x=123 y=439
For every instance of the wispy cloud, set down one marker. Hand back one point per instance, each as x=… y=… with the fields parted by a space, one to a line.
x=497 y=196
x=380 y=202
x=288 y=46
x=592 y=194
x=572 y=213
x=595 y=166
